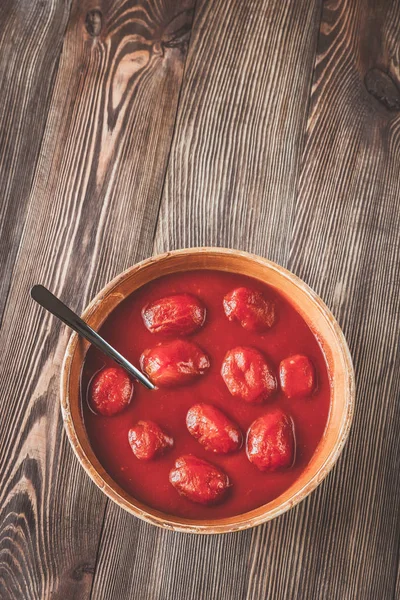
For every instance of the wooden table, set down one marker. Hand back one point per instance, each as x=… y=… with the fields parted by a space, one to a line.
x=130 y=128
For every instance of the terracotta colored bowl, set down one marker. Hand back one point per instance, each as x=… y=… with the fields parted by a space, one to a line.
x=308 y=304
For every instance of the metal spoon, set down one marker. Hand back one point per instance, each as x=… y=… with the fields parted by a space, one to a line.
x=65 y=314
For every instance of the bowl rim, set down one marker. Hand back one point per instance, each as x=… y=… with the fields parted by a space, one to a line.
x=237 y=522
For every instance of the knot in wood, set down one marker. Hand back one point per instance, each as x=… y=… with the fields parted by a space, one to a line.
x=380 y=85
x=93 y=22
x=177 y=32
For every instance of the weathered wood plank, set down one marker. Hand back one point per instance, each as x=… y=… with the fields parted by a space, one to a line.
x=236 y=154
x=91 y=213
x=31 y=35
x=231 y=181
x=343 y=541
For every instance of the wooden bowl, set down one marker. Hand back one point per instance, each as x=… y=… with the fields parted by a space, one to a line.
x=307 y=303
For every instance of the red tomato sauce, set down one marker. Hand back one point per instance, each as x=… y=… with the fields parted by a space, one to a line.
x=149 y=481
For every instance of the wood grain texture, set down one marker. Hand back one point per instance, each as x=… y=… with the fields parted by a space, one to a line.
x=231 y=181
x=350 y=219
x=91 y=213
x=31 y=36
x=236 y=154
x=343 y=541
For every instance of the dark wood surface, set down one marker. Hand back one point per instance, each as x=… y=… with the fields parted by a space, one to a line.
x=130 y=128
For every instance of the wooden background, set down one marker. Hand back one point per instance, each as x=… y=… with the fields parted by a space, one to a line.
x=133 y=127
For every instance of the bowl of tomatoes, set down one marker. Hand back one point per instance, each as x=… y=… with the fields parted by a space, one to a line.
x=253 y=399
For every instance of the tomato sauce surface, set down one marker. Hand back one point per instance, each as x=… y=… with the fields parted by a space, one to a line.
x=148 y=481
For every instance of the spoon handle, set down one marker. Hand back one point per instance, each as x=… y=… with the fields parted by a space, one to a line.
x=51 y=303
